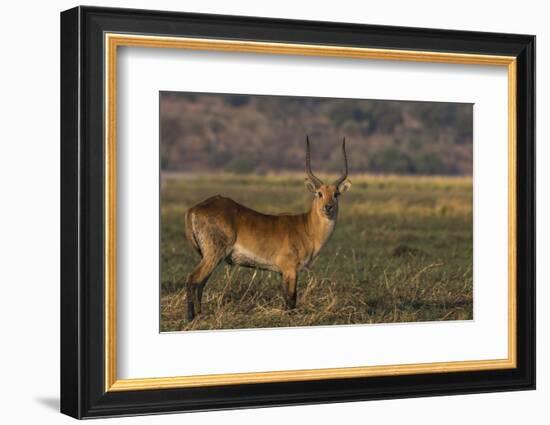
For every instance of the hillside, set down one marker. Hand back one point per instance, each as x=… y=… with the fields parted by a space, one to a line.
x=243 y=134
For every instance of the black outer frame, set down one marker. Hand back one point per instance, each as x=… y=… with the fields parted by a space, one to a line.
x=82 y=218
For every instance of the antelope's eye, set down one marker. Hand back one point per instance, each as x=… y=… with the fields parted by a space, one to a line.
x=319 y=194
x=337 y=194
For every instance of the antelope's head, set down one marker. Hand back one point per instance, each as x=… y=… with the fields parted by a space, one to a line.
x=326 y=195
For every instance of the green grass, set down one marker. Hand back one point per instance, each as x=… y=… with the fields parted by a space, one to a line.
x=401 y=252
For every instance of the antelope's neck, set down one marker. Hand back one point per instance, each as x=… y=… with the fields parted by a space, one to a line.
x=320 y=229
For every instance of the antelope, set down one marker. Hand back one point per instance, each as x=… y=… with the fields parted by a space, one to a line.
x=222 y=229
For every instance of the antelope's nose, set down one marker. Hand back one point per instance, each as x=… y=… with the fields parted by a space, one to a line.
x=329 y=208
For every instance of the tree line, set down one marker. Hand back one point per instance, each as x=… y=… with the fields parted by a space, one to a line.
x=202 y=132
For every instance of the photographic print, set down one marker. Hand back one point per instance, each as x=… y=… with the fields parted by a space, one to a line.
x=282 y=211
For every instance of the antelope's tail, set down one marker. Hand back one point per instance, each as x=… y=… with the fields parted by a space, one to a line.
x=190 y=232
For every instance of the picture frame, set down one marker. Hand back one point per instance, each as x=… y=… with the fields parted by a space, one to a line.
x=90 y=40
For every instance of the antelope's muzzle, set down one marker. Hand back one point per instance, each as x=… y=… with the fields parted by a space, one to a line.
x=328 y=209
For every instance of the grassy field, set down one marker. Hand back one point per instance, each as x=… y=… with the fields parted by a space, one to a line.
x=401 y=252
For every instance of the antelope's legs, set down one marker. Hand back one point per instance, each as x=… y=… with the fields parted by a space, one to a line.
x=196 y=282
x=289 y=288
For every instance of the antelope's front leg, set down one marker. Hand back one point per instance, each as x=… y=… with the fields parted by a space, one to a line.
x=289 y=287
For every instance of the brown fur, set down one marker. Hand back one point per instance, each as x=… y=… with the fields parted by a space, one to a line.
x=222 y=229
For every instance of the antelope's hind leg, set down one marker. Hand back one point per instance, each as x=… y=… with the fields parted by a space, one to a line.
x=212 y=256
x=196 y=282
x=213 y=238
x=195 y=286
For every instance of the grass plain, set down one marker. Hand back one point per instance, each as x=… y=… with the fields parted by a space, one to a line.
x=401 y=252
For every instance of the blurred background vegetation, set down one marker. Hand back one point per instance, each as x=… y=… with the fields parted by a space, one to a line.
x=257 y=134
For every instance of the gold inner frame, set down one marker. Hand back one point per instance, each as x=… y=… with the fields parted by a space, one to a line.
x=113 y=41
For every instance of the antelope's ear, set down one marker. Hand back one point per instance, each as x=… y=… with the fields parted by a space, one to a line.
x=344 y=186
x=310 y=185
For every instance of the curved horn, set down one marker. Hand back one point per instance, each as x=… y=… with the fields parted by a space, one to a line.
x=316 y=181
x=345 y=173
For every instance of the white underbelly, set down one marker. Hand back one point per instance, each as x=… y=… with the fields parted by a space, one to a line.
x=245 y=257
